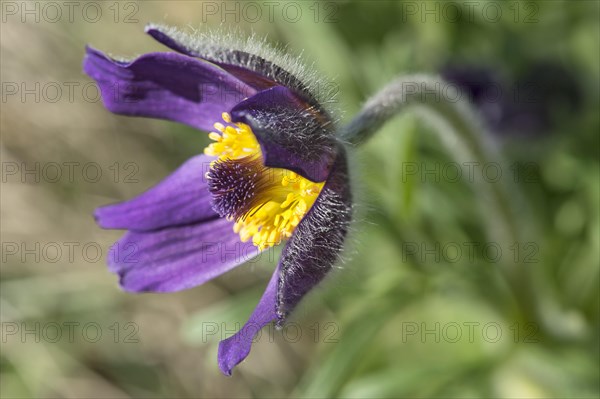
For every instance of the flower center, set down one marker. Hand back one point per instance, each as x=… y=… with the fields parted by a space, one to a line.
x=266 y=203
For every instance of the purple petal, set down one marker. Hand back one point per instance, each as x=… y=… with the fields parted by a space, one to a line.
x=255 y=71
x=250 y=77
x=292 y=135
x=166 y=86
x=182 y=198
x=237 y=347
x=177 y=258
x=317 y=241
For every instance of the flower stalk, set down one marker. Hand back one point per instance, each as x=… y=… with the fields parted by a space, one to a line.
x=467 y=140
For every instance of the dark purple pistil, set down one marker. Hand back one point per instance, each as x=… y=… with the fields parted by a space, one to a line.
x=235 y=185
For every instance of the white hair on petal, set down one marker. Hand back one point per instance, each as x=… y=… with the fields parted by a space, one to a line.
x=221 y=45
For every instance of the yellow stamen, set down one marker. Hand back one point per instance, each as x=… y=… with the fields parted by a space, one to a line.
x=280 y=206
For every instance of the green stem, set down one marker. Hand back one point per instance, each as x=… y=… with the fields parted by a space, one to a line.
x=467 y=140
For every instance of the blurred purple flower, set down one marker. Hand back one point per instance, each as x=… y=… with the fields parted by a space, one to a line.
x=275 y=171
x=525 y=105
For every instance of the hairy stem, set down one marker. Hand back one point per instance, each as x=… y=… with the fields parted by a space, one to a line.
x=467 y=140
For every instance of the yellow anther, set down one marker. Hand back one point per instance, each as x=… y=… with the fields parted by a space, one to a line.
x=215 y=136
x=288 y=200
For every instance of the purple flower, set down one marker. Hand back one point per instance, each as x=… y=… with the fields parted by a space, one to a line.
x=274 y=172
x=524 y=104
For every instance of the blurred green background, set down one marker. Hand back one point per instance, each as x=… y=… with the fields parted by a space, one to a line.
x=404 y=316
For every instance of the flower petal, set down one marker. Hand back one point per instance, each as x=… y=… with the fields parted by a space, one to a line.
x=166 y=86
x=237 y=347
x=252 y=69
x=182 y=198
x=291 y=134
x=252 y=78
x=317 y=241
x=177 y=258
